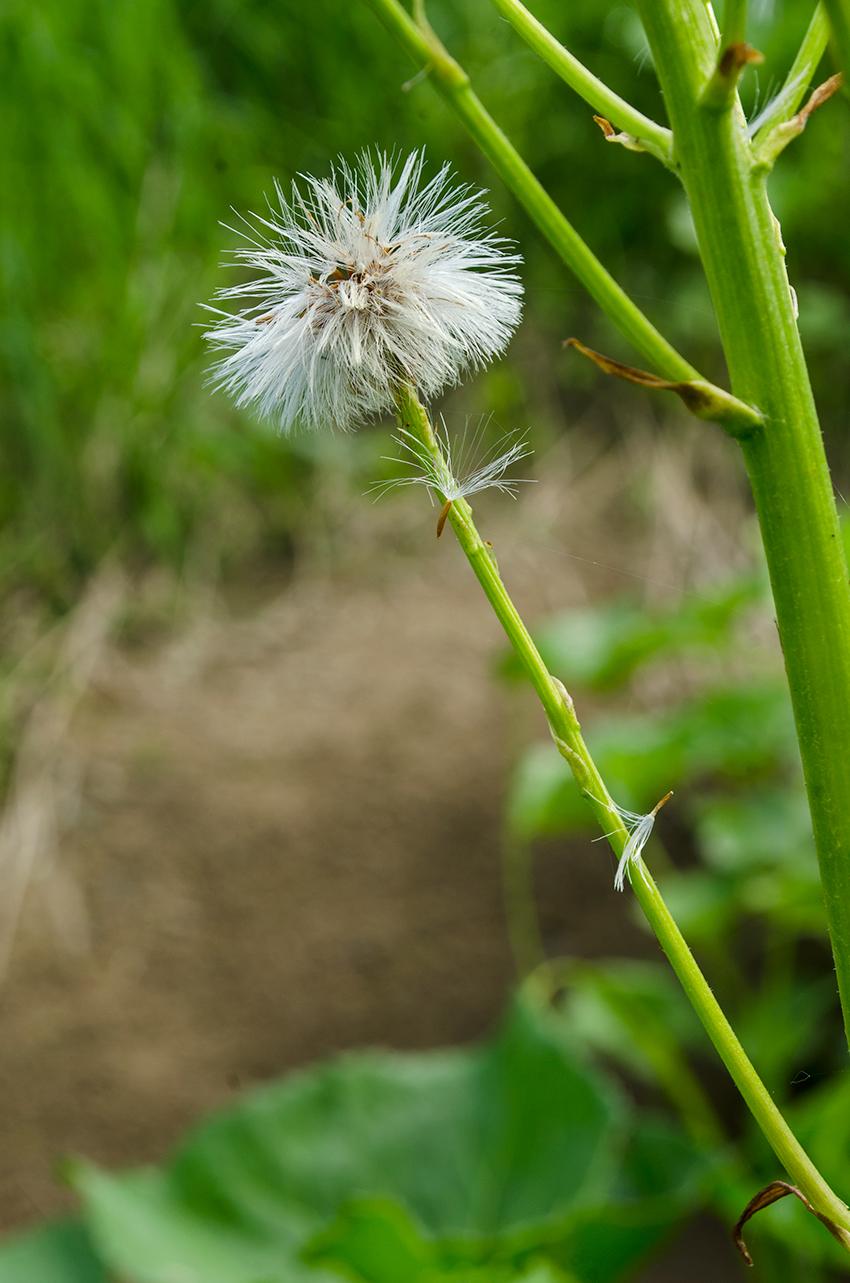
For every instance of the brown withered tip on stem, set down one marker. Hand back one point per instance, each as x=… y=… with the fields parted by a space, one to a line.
x=611 y=136
x=658 y=805
x=693 y=396
x=444 y=516
x=771 y=1194
x=736 y=57
x=701 y=397
x=819 y=96
x=785 y=132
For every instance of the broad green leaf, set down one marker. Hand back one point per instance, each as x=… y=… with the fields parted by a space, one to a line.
x=144 y=1232
x=58 y=1253
x=375 y=1241
x=496 y=1141
x=661 y=1177
x=472 y=1166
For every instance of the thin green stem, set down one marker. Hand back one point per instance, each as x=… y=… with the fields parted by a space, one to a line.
x=453 y=83
x=742 y=254
x=653 y=137
x=798 y=80
x=566 y=730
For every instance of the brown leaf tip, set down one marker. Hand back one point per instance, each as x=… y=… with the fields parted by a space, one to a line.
x=736 y=57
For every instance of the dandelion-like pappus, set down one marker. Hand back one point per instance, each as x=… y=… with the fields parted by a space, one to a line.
x=366 y=281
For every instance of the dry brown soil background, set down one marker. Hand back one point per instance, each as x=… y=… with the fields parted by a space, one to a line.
x=286 y=831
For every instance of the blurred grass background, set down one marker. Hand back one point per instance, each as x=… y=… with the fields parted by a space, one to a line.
x=130 y=130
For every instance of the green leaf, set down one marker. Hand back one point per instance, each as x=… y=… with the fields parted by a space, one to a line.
x=373 y=1240
x=627 y=1009
x=781 y=1025
x=793 y=901
x=768 y=828
x=482 y=1143
x=724 y=734
x=143 y=1230
x=738 y=732
x=599 y=648
x=475 y=1166
x=58 y=1253
x=661 y=1177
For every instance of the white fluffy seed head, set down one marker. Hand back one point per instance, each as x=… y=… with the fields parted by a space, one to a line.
x=365 y=281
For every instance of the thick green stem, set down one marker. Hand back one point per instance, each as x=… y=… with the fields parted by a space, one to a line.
x=564 y=724
x=743 y=258
x=654 y=138
x=839 y=21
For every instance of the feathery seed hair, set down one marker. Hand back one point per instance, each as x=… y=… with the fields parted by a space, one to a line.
x=364 y=282
x=465 y=468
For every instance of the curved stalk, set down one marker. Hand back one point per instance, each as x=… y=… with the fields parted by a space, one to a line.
x=742 y=254
x=566 y=731
x=653 y=138
x=453 y=83
x=797 y=81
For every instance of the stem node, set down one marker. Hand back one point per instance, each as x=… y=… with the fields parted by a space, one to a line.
x=719 y=93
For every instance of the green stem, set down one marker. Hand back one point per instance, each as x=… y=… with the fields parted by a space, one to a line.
x=734 y=22
x=654 y=138
x=797 y=81
x=743 y=258
x=564 y=724
x=453 y=83
x=839 y=21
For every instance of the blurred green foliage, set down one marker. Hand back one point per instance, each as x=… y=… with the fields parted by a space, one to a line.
x=728 y=750
x=518 y=1159
x=131 y=131
x=743 y=883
